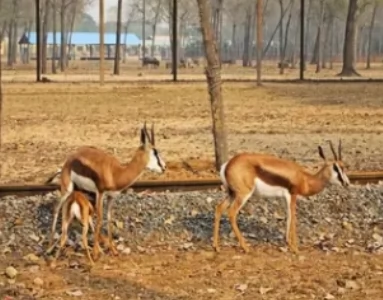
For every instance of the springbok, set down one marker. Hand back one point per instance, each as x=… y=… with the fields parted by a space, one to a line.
x=268 y=176
x=93 y=170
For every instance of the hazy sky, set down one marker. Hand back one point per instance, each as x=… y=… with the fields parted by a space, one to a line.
x=93 y=10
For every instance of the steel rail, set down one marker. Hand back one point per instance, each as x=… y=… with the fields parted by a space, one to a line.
x=169 y=185
x=202 y=80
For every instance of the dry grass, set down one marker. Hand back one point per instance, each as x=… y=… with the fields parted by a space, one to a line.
x=43 y=123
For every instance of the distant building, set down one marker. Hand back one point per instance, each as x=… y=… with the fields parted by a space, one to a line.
x=81 y=45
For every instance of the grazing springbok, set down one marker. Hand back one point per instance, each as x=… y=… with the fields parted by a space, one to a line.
x=268 y=176
x=93 y=170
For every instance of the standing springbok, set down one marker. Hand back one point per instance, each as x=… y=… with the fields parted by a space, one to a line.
x=269 y=176
x=93 y=170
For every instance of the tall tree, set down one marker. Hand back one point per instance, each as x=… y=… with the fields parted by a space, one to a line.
x=213 y=76
x=370 y=31
x=54 y=30
x=44 y=48
x=259 y=8
x=349 y=46
x=118 y=40
x=320 y=35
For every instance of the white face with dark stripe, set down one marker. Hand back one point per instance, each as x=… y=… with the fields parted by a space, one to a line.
x=338 y=176
x=155 y=163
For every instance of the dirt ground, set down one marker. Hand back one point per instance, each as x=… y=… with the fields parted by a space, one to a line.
x=43 y=123
x=85 y=71
x=265 y=273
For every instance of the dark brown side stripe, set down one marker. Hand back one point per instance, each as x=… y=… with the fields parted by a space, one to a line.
x=273 y=179
x=85 y=171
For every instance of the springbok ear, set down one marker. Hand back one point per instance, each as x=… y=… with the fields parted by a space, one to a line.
x=321 y=153
x=143 y=137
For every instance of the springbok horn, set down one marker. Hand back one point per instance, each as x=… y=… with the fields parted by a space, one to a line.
x=333 y=150
x=152 y=134
x=340 y=149
x=146 y=133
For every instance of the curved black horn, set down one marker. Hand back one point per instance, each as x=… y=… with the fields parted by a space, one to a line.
x=340 y=149
x=152 y=135
x=333 y=150
x=147 y=134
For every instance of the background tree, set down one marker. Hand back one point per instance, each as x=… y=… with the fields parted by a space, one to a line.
x=118 y=40
x=214 y=84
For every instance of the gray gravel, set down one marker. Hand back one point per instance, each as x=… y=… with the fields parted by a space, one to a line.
x=335 y=220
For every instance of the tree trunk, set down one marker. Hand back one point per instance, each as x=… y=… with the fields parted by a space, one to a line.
x=286 y=38
x=252 y=32
x=14 y=42
x=331 y=47
x=233 y=41
x=245 y=58
x=307 y=31
x=314 y=58
x=213 y=76
x=118 y=40
x=320 y=37
x=69 y=34
x=10 y=41
x=275 y=31
x=44 y=48
x=281 y=32
x=125 y=41
x=154 y=27
x=259 y=39
x=348 y=68
x=370 y=31
x=296 y=43
x=54 y=30
x=126 y=33
x=3 y=30
x=62 y=37
x=327 y=42
x=171 y=26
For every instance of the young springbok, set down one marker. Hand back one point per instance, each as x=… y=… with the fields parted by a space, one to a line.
x=77 y=206
x=269 y=176
x=93 y=170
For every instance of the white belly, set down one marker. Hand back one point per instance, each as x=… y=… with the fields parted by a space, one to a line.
x=262 y=189
x=84 y=183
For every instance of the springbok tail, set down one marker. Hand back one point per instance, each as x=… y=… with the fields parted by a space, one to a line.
x=50 y=179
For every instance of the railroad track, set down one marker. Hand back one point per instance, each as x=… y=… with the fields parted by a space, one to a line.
x=172 y=186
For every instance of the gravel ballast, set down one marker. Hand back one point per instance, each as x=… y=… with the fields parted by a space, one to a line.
x=335 y=219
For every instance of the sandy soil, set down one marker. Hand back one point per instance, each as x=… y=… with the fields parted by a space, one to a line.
x=43 y=123
x=265 y=273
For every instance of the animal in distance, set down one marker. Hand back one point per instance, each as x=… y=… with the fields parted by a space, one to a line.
x=269 y=176
x=95 y=171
